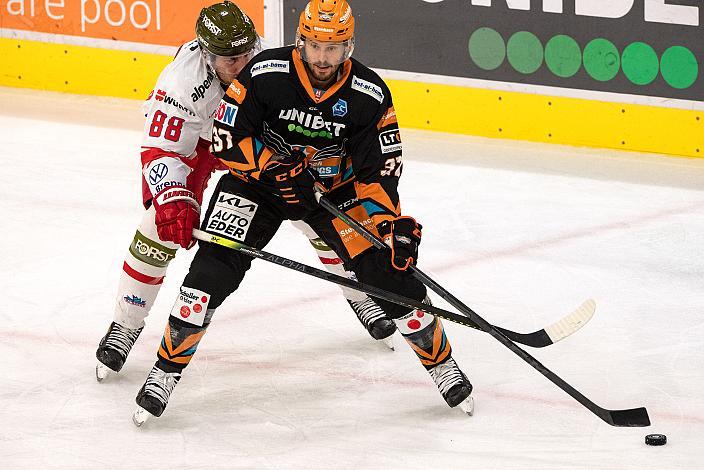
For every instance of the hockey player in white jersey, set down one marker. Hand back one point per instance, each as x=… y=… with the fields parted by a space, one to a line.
x=176 y=167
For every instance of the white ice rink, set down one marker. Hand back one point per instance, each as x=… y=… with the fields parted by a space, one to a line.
x=286 y=378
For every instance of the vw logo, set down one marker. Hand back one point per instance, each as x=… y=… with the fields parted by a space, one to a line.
x=158 y=173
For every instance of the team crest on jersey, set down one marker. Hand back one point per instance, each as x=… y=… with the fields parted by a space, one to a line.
x=270 y=66
x=367 y=88
x=340 y=108
x=226 y=113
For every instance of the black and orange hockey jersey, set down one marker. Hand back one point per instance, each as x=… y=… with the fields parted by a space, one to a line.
x=349 y=133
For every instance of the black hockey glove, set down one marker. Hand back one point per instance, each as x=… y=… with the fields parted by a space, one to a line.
x=294 y=179
x=403 y=236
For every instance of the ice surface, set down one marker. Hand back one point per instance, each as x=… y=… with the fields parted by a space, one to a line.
x=286 y=378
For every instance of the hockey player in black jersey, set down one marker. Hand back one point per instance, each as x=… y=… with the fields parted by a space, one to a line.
x=299 y=117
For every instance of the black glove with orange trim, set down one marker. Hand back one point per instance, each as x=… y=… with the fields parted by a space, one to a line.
x=294 y=179
x=403 y=236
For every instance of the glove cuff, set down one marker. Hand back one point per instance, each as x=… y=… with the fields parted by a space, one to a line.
x=173 y=194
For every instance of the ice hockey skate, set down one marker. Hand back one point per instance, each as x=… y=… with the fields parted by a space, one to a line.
x=154 y=394
x=113 y=350
x=372 y=317
x=453 y=385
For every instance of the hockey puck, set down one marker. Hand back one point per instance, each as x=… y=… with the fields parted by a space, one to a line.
x=656 y=439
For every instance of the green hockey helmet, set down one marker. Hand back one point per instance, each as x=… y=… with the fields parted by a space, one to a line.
x=224 y=30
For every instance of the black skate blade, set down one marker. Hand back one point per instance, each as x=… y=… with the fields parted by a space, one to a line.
x=633 y=418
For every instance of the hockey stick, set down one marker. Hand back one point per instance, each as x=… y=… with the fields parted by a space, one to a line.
x=635 y=417
x=537 y=339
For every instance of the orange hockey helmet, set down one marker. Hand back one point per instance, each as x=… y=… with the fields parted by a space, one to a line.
x=327 y=20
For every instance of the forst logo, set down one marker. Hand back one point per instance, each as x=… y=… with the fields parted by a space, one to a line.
x=211 y=26
x=151 y=252
x=239 y=42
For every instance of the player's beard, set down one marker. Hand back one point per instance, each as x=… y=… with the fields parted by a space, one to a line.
x=323 y=77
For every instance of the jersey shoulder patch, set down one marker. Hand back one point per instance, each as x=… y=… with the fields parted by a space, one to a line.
x=367 y=88
x=268 y=66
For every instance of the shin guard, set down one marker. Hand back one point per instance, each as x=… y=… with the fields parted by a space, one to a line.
x=187 y=324
x=143 y=273
x=426 y=336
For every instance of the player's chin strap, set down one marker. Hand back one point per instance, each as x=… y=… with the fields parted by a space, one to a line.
x=536 y=339
x=631 y=417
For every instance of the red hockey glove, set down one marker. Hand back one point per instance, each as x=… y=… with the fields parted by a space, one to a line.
x=177 y=214
x=403 y=236
x=295 y=180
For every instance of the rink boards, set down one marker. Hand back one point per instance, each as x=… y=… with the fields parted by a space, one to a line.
x=448 y=95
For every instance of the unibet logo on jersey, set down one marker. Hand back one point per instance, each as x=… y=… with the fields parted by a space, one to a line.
x=231 y=217
x=311 y=125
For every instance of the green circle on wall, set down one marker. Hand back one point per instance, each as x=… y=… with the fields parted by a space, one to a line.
x=679 y=67
x=525 y=52
x=601 y=59
x=487 y=48
x=563 y=56
x=640 y=63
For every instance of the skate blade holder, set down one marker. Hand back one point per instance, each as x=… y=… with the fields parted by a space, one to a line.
x=140 y=416
x=102 y=372
x=467 y=406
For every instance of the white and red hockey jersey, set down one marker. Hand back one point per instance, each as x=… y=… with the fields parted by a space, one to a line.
x=179 y=120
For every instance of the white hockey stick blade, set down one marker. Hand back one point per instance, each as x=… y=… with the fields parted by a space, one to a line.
x=140 y=416
x=102 y=372
x=572 y=322
x=467 y=406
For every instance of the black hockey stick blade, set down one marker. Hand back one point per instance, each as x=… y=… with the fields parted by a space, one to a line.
x=614 y=418
x=537 y=339
x=633 y=418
